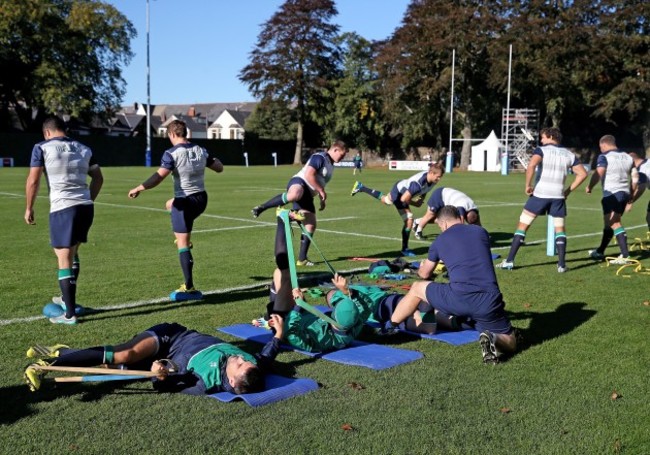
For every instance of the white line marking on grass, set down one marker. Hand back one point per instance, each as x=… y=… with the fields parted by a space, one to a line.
x=201 y=231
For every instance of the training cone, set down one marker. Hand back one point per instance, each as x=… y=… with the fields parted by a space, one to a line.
x=53 y=310
x=180 y=296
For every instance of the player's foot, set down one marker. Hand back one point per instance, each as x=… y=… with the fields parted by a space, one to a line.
x=595 y=254
x=305 y=263
x=387 y=329
x=407 y=252
x=294 y=215
x=187 y=290
x=418 y=235
x=488 y=346
x=33 y=375
x=561 y=269
x=63 y=320
x=38 y=351
x=620 y=260
x=261 y=322
x=256 y=211
x=505 y=265
x=58 y=299
x=356 y=188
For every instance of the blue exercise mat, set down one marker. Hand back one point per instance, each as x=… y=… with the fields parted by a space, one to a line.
x=278 y=388
x=454 y=338
x=373 y=356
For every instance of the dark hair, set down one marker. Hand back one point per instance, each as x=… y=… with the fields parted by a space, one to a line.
x=53 y=123
x=553 y=133
x=448 y=212
x=251 y=381
x=177 y=127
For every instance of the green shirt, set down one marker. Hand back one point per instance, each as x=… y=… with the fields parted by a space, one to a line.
x=207 y=363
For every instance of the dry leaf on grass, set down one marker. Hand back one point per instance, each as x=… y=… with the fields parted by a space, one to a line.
x=505 y=410
x=527 y=305
x=356 y=386
x=347 y=427
x=646 y=302
x=615 y=395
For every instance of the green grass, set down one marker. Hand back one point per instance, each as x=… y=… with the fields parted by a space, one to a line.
x=586 y=331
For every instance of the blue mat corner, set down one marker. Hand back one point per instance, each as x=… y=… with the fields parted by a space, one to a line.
x=278 y=388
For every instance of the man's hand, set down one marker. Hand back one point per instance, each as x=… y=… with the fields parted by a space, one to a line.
x=135 y=192
x=277 y=322
x=29 y=216
x=529 y=190
x=160 y=369
x=322 y=195
x=297 y=294
x=341 y=283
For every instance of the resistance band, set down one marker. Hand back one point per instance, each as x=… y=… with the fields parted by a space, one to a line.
x=311 y=239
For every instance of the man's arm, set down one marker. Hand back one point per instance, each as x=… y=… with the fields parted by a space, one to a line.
x=426 y=269
x=151 y=182
x=530 y=173
x=216 y=165
x=581 y=174
x=270 y=351
x=96 y=181
x=31 y=191
x=595 y=178
x=310 y=178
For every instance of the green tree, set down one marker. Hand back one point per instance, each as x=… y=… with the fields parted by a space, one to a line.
x=272 y=119
x=295 y=60
x=61 y=56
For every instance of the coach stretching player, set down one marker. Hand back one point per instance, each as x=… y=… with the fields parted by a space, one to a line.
x=187 y=163
x=472 y=292
x=67 y=163
x=201 y=363
x=615 y=170
x=302 y=188
x=548 y=196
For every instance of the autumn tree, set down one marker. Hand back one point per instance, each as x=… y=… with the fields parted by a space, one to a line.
x=61 y=56
x=295 y=60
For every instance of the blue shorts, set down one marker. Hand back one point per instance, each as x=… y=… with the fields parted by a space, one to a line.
x=395 y=198
x=553 y=207
x=69 y=227
x=486 y=309
x=357 y=164
x=306 y=202
x=615 y=203
x=186 y=209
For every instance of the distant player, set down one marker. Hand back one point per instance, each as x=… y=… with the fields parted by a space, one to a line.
x=405 y=193
x=301 y=189
x=67 y=163
x=643 y=182
x=357 y=164
x=448 y=196
x=187 y=163
x=548 y=196
x=615 y=170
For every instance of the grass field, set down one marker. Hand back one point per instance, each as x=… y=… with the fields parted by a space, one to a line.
x=586 y=331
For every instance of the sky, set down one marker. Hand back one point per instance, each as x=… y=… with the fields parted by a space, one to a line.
x=198 y=47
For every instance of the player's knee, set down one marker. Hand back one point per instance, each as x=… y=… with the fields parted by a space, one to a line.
x=558 y=223
x=526 y=218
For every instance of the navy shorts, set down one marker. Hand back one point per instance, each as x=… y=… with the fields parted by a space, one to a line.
x=485 y=308
x=167 y=334
x=186 y=209
x=395 y=198
x=357 y=164
x=615 y=203
x=553 y=207
x=306 y=202
x=70 y=226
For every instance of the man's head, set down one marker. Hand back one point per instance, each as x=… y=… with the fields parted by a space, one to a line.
x=607 y=143
x=53 y=126
x=436 y=171
x=177 y=129
x=244 y=376
x=635 y=156
x=551 y=136
x=337 y=150
x=447 y=216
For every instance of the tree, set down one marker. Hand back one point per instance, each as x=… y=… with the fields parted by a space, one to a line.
x=272 y=119
x=295 y=60
x=62 y=56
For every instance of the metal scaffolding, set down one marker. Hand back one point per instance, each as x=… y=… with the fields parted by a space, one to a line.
x=519 y=130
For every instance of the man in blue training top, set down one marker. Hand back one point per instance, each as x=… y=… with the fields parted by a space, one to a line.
x=200 y=363
x=187 y=163
x=615 y=170
x=472 y=292
x=447 y=196
x=301 y=189
x=548 y=195
x=405 y=193
x=67 y=164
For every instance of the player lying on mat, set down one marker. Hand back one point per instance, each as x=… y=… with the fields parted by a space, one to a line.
x=200 y=363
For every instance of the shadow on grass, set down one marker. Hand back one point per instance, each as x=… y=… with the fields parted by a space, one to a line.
x=553 y=324
x=19 y=402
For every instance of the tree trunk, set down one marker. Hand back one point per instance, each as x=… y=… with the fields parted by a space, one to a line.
x=466 y=151
x=297 y=157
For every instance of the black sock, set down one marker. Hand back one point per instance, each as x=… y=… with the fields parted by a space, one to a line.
x=68 y=286
x=608 y=234
x=560 y=245
x=81 y=358
x=406 y=233
x=621 y=239
x=374 y=193
x=275 y=201
x=187 y=264
x=304 y=247
x=517 y=241
x=76 y=267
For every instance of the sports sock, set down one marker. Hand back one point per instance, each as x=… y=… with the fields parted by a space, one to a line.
x=374 y=193
x=187 y=264
x=68 y=286
x=81 y=358
x=76 y=267
x=560 y=245
x=621 y=239
x=406 y=233
x=275 y=201
x=517 y=241
x=281 y=256
x=608 y=233
x=304 y=247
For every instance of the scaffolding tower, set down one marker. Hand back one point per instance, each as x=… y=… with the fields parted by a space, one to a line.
x=519 y=130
